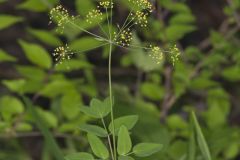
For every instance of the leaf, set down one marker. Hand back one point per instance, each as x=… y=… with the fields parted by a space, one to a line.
x=97 y=146
x=8 y=20
x=79 y=156
x=182 y=18
x=57 y=87
x=23 y=127
x=152 y=90
x=83 y=6
x=10 y=106
x=176 y=32
x=48 y=118
x=15 y=85
x=231 y=73
x=85 y=44
x=5 y=57
x=36 y=54
x=177 y=7
x=97 y=109
x=177 y=149
x=52 y=145
x=93 y=129
x=127 y=121
x=46 y=37
x=28 y=72
x=36 y=5
x=140 y=58
x=192 y=143
x=146 y=149
x=200 y=138
x=125 y=158
x=124 y=144
x=70 y=103
x=73 y=64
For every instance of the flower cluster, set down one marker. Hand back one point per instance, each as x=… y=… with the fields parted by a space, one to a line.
x=175 y=53
x=94 y=15
x=62 y=53
x=139 y=18
x=105 y=4
x=123 y=38
x=156 y=53
x=61 y=16
x=143 y=4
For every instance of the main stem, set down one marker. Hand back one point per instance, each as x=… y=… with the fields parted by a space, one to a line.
x=111 y=98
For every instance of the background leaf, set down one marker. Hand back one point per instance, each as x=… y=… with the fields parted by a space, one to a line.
x=97 y=146
x=8 y=20
x=146 y=149
x=36 y=54
x=124 y=144
x=128 y=121
x=200 y=139
x=94 y=129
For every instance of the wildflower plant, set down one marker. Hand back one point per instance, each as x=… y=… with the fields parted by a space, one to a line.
x=117 y=132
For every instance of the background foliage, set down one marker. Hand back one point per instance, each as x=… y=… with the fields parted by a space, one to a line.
x=205 y=79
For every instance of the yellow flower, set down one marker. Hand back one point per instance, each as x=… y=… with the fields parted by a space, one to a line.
x=94 y=15
x=156 y=53
x=143 y=4
x=175 y=53
x=61 y=16
x=105 y=4
x=62 y=53
x=123 y=38
x=139 y=18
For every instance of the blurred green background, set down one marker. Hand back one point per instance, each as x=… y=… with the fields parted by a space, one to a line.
x=206 y=79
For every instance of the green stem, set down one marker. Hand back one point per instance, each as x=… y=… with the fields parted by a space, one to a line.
x=110 y=83
x=111 y=98
x=109 y=139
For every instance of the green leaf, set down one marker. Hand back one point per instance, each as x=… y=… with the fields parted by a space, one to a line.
x=146 y=149
x=140 y=58
x=125 y=158
x=177 y=149
x=83 y=6
x=36 y=54
x=70 y=103
x=57 y=87
x=192 y=143
x=176 y=122
x=93 y=129
x=32 y=73
x=97 y=109
x=176 y=32
x=98 y=148
x=200 y=138
x=124 y=144
x=177 y=7
x=23 y=127
x=128 y=121
x=4 y=57
x=8 y=20
x=182 y=18
x=46 y=37
x=49 y=118
x=36 y=5
x=52 y=145
x=79 y=156
x=73 y=64
x=231 y=73
x=85 y=44
x=15 y=85
x=152 y=91
x=10 y=106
